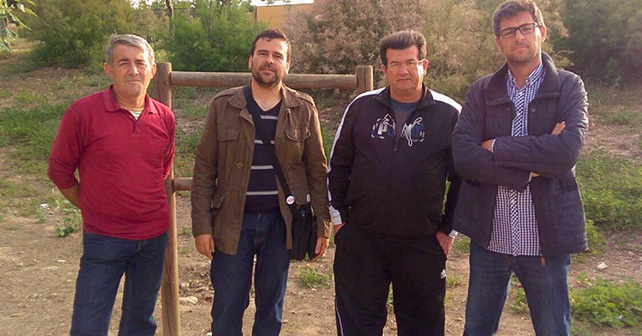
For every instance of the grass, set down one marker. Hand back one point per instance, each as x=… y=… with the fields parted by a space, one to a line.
x=31 y=133
x=604 y=303
x=20 y=198
x=311 y=278
x=611 y=191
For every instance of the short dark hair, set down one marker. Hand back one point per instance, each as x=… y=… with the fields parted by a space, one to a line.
x=513 y=7
x=402 y=40
x=269 y=34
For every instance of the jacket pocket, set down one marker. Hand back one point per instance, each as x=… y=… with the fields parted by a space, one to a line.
x=217 y=200
x=227 y=133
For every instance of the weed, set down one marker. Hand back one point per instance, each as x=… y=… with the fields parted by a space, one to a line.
x=461 y=244
x=454 y=281
x=312 y=279
x=519 y=304
x=72 y=222
x=607 y=304
x=185 y=231
x=40 y=216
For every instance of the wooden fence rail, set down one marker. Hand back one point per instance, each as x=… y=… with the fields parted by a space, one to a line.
x=164 y=80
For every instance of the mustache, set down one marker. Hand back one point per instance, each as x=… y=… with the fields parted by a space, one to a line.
x=267 y=67
x=523 y=44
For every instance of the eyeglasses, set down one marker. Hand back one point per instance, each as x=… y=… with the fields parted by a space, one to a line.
x=410 y=65
x=525 y=29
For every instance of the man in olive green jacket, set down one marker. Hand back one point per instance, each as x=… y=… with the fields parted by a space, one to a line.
x=238 y=209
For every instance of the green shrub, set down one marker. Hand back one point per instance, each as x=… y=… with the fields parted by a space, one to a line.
x=607 y=304
x=611 y=190
x=212 y=37
x=75 y=32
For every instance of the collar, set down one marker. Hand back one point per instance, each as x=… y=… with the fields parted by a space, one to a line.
x=531 y=79
x=426 y=97
x=111 y=104
x=497 y=89
x=289 y=98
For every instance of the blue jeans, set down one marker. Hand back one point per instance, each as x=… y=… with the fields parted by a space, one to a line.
x=263 y=235
x=103 y=262
x=544 y=281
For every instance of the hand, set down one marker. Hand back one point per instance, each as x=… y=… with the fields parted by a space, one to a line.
x=559 y=127
x=557 y=130
x=488 y=145
x=322 y=245
x=205 y=245
x=445 y=241
x=337 y=228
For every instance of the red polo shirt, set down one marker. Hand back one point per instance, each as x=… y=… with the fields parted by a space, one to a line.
x=122 y=163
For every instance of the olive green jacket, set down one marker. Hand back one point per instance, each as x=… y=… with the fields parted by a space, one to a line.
x=224 y=159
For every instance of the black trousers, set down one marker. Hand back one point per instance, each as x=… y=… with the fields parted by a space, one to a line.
x=364 y=268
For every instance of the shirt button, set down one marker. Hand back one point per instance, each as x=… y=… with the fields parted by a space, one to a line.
x=239 y=165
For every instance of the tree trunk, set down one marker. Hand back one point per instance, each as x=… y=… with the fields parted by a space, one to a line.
x=170 y=13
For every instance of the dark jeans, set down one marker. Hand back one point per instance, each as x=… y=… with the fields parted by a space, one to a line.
x=263 y=235
x=102 y=264
x=544 y=282
x=364 y=268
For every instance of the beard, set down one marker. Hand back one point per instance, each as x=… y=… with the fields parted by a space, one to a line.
x=266 y=81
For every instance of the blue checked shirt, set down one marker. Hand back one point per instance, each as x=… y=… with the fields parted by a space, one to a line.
x=514 y=223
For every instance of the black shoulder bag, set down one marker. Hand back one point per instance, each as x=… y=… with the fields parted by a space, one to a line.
x=304 y=222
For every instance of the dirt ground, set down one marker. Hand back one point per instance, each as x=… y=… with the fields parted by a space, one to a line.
x=38 y=269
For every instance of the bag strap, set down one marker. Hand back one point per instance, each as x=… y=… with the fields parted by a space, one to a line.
x=254 y=109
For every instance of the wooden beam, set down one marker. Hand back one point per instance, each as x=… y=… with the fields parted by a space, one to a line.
x=231 y=79
x=169 y=285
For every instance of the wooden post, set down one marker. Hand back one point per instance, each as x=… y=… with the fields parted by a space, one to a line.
x=169 y=286
x=365 y=81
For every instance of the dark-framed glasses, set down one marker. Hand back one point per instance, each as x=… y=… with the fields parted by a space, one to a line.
x=525 y=29
x=410 y=65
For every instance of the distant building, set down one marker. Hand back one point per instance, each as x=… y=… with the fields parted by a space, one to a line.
x=274 y=15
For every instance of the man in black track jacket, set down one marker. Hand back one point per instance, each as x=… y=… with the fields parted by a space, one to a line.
x=387 y=179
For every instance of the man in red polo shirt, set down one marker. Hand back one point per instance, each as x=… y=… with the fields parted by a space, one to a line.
x=122 y=144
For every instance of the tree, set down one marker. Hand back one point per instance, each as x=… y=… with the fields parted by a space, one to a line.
x=213 y=36
x=336 y=36
x=8 y=11
x=461 y=43
x=605 y=39
x=75 y=32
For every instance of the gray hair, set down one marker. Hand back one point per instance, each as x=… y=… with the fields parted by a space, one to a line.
x=513 y=7
x=128 y=40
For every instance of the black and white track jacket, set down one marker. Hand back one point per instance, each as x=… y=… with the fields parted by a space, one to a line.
x=393 y=187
